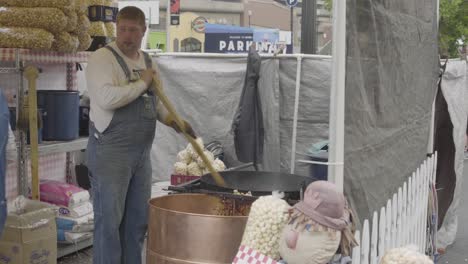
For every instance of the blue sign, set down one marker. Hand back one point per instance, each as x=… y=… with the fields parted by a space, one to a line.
x=228 y=42
x=291 y=3
x=227 y=39
x=235 y=39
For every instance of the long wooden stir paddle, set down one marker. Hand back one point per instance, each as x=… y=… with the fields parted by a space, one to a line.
x=32 y=73
x=157 y=88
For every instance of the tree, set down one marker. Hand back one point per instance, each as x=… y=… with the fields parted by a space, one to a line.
x=328 y=4
x=453 y=26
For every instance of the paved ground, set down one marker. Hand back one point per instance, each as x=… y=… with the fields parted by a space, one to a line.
x=84 y=256
x=458 y=252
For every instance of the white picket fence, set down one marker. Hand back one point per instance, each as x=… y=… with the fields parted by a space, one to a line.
x=402 y=222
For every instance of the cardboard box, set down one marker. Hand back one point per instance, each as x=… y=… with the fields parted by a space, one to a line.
x=30 y=235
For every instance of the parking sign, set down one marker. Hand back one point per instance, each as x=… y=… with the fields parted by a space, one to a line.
x=291 y=3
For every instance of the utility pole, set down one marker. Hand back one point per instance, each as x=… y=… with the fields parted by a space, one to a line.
x=292 y=4
x=292 y=29
x=168 y=25
x=309 y=27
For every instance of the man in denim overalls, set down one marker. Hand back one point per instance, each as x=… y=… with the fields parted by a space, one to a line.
x=123 y=121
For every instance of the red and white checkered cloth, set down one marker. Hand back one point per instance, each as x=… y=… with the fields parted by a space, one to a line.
x=247 y=255
x=51 y=167
x=8 y=54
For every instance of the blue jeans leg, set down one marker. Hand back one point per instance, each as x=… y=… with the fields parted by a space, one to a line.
x=135 y=222
x=109 y=183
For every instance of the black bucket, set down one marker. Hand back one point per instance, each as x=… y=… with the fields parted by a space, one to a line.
x=61 y=114
x=84 y=120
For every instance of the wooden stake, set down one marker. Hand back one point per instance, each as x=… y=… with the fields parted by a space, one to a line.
x=31 y=74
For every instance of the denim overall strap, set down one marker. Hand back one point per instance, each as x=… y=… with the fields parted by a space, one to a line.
x=121 y=62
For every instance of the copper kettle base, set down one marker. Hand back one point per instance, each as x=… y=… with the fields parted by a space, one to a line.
x=194 y=228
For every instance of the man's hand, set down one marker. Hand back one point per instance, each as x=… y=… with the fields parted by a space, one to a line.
x=147 y=76
x=187 y=126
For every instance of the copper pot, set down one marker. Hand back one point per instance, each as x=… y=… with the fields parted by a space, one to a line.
x=190 y=228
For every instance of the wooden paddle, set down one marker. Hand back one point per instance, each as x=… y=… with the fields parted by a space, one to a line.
x=32 y=73
x=157 y=88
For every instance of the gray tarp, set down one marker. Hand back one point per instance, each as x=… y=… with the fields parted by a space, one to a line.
x=314 y=107
x=206 y=92
x=454 y=90
x=391 y=75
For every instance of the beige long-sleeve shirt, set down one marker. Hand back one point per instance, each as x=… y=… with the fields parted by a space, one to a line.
x=109 y=88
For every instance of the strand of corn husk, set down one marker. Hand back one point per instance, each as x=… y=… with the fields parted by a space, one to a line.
x=65 y=19
x=85 y=41
x=65 y=42
x=25 y=38
x=64 y=5
x=50 y=19
x=110 y=29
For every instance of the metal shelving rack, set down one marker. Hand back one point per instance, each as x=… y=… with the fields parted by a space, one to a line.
x=20 y=57
x=21 y=140
x=8 y=70
x=51 y=147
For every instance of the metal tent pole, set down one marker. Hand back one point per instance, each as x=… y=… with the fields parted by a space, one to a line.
x=337 y=94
